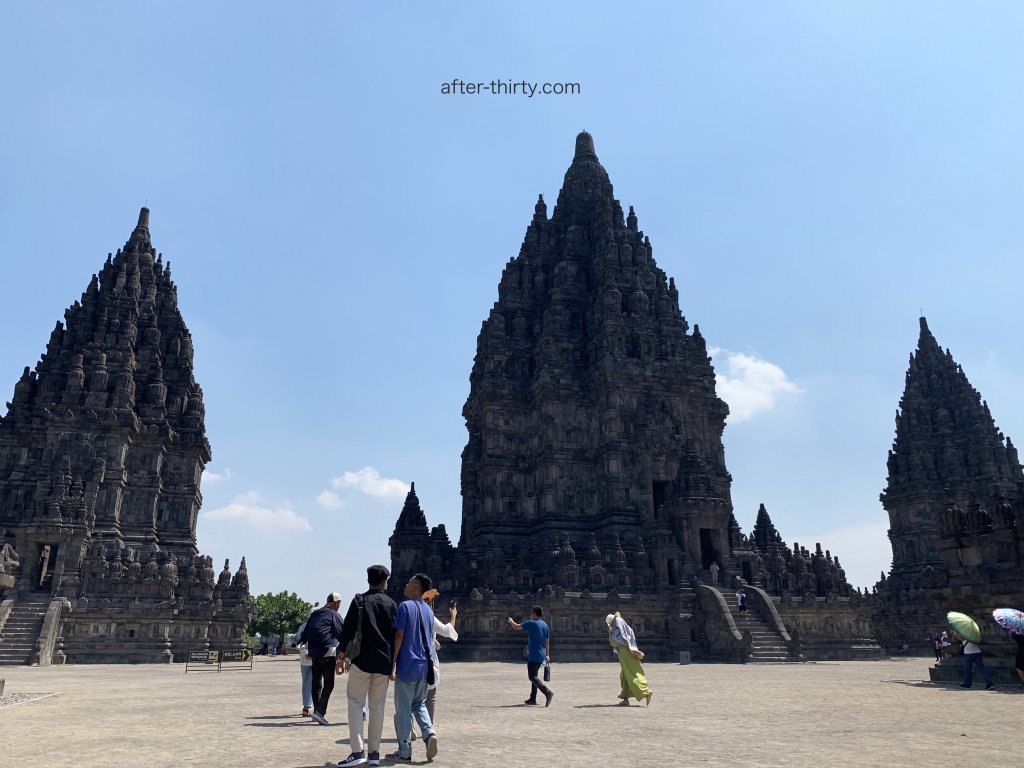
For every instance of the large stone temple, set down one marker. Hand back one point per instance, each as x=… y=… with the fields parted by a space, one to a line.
x=101 y=454
x=594 y=476
x=955 y=498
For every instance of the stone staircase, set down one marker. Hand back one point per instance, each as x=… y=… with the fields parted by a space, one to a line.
x=21 y=630
x=768 y=645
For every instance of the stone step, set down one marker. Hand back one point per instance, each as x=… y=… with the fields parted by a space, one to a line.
x=21 y=630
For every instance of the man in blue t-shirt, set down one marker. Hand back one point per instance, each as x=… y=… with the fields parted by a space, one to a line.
x=538 y=652
x=412 y=663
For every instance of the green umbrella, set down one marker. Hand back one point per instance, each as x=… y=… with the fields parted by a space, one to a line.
x=964 y=625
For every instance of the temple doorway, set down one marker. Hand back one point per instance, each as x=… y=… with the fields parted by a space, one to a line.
x=44 y=570
x=708 y=554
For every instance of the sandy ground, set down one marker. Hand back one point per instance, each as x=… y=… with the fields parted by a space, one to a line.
x=875 y=713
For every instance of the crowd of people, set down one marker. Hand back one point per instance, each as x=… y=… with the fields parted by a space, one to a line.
x=378 y=643
x=947 y=643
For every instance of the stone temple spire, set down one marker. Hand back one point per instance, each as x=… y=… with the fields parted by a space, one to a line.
x=946 y=440
x=764 y=533
x=102 y=448
x=118 y=370
x=594 y=469
x=140 y=241
x=411 y=517
x=945 y=433
x=410 y=542
x=586 y=386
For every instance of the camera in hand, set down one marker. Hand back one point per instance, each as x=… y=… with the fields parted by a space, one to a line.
x=453 y=604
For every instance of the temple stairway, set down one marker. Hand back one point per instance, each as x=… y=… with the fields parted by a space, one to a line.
x=21 y=630
x=768 y=645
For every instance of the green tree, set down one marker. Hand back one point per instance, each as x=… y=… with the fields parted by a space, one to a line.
x=277 y=615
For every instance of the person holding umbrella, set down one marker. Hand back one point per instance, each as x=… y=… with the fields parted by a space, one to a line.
x=967 y=630
x=1018 y=661
x=1012 y=620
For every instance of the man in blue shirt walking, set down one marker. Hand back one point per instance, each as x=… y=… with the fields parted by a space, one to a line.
x=538 y=652
x=412 y=668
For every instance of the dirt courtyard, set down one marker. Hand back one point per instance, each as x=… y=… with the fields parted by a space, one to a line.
x=873 y=713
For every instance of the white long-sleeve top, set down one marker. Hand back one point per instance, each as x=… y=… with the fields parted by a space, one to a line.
x=444 y=630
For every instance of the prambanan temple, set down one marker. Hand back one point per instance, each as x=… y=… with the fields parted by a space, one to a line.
x=593 y=480
x=101 y=454
x=955 y=498
x=594 y=477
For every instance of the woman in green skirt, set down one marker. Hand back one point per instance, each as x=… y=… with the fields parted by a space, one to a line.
x=631 y=671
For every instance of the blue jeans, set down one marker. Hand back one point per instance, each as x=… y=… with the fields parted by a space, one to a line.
x=307 y=684
x=410 y=702
x=970 y=659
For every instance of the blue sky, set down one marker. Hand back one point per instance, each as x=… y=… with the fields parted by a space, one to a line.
x=813 y=175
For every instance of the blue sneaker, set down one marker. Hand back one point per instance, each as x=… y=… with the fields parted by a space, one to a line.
x=319 y=718
x=398 y=757
x=357 y=758
x=373 y=758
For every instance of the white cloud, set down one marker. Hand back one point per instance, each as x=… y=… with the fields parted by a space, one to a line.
x=329 y=500
x=213 y=477
x=248 y=509
x=368 y=480
x=750 y=385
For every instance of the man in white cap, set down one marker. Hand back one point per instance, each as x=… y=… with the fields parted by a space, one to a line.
x=322 y=635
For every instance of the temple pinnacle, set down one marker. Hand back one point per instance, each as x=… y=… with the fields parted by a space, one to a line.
x=585 y=144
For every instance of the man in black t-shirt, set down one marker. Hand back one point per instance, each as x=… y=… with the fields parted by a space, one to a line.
x=368 y=672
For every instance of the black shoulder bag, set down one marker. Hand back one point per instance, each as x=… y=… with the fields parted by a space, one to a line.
x=355 y=644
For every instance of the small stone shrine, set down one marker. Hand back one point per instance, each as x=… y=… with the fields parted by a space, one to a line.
x=594 y=477
x=101 y=454
x=955 y=498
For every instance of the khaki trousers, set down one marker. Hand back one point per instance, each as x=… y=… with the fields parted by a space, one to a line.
x=371 y=690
